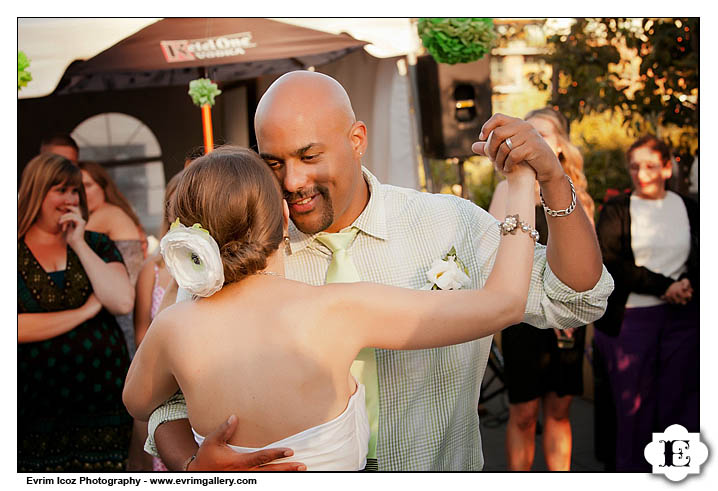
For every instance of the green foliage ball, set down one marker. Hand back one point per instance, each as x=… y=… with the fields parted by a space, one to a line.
x=456 y=40
x=203 y=91
x=23 y=76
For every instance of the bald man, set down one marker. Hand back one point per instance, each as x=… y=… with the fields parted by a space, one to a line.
x=423 y=404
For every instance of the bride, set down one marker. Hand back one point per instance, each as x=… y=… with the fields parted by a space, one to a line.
x=276 y=352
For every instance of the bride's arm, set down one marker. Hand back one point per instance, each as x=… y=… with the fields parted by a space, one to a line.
x=396 y=318
x=149 y=380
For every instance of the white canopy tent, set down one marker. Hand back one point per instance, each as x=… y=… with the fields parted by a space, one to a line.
x=52 y=44
x=388 y=37
x=378 y=84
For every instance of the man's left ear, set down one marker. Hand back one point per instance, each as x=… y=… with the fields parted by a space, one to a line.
x=358 y=139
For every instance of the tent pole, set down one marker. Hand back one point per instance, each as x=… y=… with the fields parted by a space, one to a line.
x=207 y=128
x=422 y=160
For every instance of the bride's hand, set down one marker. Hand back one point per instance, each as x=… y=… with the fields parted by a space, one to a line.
x=521 y=173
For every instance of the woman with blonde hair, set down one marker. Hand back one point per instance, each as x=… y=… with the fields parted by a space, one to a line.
x=71 y=358
x=544 y=365
x=111 y=214
x=555 y=129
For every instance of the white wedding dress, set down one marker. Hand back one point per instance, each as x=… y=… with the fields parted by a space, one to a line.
x=337 y=445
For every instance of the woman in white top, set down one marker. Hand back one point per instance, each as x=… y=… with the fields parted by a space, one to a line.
x=277 y=352
x=648 y=338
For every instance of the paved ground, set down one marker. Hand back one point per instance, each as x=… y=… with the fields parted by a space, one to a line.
x=493 y=431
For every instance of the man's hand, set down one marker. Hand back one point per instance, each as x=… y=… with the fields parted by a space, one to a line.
x=527 y=145
x=572 y=251
x=215 y=455
x=680 y=292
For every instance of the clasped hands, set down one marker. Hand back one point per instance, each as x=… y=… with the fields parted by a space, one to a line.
x=526 y=152
x=680 y=292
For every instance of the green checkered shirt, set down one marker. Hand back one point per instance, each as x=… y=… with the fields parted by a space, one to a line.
x=428 y=416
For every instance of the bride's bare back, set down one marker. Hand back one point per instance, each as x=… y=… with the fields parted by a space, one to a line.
x=277 y=352
x=259 y=349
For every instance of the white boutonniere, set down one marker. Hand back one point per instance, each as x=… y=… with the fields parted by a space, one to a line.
x=192 y=258
x=448 y=273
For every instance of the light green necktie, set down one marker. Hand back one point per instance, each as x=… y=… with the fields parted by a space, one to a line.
x=342 y=270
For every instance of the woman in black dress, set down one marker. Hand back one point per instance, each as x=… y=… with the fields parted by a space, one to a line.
x=72 y=359
x=544 y=367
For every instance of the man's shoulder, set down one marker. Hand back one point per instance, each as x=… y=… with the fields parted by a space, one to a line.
x=406 y=201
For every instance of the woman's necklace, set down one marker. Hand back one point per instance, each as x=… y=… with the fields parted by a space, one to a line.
x=270 y=273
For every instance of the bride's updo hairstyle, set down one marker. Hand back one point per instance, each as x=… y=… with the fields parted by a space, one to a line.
x=232 y=193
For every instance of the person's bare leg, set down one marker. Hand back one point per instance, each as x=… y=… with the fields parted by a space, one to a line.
x=521 y=434
x=557 y=440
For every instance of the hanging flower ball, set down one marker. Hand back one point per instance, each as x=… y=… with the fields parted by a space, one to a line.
x=456 y=40
x=203 y=91
x=23 y=76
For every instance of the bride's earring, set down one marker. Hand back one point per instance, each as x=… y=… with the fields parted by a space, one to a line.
x=287 y=246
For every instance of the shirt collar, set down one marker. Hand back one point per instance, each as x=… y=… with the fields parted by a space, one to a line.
x=371 y=221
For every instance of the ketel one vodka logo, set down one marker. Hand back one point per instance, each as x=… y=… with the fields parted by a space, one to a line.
x=207 y=48
x=676 y=453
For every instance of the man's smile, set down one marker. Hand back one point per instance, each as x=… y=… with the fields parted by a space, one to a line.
x=304 y=205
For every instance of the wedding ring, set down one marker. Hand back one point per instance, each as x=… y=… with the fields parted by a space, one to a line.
x=508 y=143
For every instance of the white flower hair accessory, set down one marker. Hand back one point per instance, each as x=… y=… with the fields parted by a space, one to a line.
x=192 y=258
x=448 y=273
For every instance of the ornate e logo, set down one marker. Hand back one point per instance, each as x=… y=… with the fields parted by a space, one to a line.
x=676 y=453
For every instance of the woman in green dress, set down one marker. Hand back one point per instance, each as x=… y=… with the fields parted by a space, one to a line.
x=72 y=359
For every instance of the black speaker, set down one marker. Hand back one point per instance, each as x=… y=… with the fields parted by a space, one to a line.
x=455 y=101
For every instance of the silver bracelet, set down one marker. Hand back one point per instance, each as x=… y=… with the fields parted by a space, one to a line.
x=512 y=223
x=560 y=213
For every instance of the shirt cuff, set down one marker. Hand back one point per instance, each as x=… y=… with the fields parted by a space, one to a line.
x=557 y=290
x=173 y=409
